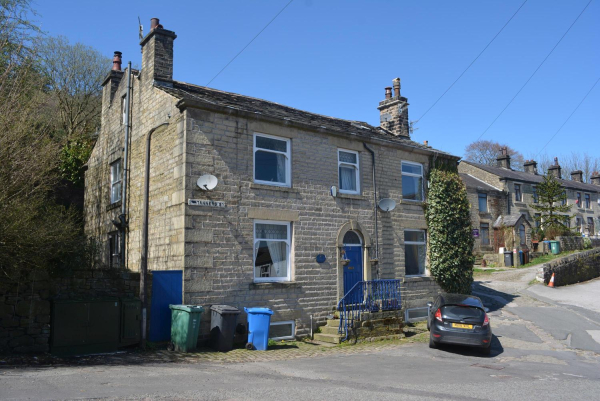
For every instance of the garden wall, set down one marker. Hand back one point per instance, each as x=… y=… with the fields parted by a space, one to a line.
x=570 y=243
x=572 y=269
x=25 y=302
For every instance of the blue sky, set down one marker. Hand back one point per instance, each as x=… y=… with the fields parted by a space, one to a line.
x=336 y=57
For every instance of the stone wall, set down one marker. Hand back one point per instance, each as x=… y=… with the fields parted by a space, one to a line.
x=571 y=243
x=25 y=303
x=572 y=269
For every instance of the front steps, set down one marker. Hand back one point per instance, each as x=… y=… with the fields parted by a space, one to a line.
x=371 y=327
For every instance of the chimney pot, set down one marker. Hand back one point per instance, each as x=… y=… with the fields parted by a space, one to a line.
x=426 y=143
x=396 y=83
x=388 y=92
x=154 y=23
x=117 y=61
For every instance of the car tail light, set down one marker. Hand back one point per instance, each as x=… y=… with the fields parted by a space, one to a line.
x=438 y=315
x=486 y=321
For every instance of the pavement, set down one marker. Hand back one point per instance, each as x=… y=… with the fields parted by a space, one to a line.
x=545 y=347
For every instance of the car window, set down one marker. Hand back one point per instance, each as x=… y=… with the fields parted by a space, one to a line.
x=462 y=312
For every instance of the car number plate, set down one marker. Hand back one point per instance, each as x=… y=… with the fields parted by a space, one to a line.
x=462 y=326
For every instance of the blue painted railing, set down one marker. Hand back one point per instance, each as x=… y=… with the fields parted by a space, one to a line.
x=367 y=296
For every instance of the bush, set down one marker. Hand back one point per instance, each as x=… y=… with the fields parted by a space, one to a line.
x=451 y=240
x=587 y=243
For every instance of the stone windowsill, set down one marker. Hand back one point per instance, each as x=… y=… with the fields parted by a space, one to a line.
x=520 y=204
x=113 y=206
x=351 y=196
x=273 y=188
x=274 y=285
x=417 y=279
x=410 y=202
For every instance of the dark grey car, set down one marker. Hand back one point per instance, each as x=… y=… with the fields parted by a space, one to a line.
x=459 y=319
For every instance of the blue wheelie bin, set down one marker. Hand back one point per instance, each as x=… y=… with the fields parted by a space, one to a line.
x=259 y=320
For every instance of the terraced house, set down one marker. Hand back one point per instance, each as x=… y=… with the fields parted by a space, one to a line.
x=255 y=203
x=501 y=192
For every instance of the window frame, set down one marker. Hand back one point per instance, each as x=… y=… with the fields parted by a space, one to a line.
x=291 y=337
x=118 y=181
x=288 y=241
x=424 y=243
x=287 y=154
x=114 y=237
x=486 y=229
x=124 y=110
x=481 y=195
x=422 y=175
x=578 y=200
x=588 y=200
x=590 y=225
x=518 y=192
x=565 y=199
x=535 y=196
x=357 y=167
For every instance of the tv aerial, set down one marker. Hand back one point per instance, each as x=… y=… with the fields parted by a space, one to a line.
x=141 y=27
x=387 y=204
x=207 y=182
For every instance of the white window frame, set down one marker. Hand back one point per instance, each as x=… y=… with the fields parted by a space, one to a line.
x=426 y=271
x=116 y=180
x=291 y=337
x=288 y=241
x=356 y=166
x=402 y=173
x=288 y=157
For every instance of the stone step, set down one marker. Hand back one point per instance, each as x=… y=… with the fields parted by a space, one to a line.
x=333 y=322
x=329 y=329
x=328 y=338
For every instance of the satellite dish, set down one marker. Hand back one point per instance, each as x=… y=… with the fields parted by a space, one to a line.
x=207 y=182
x=387 y=204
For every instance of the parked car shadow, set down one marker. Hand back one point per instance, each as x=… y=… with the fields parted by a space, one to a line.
x=464 y=350
x=492 y=299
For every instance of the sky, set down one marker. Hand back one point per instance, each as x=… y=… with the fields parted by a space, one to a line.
x=336 y=57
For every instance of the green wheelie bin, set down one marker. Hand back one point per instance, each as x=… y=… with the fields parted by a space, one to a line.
x=185 y=324
x=555 y=247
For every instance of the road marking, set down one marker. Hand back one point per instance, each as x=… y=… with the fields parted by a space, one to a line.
x=595 y=334
x=569 y=374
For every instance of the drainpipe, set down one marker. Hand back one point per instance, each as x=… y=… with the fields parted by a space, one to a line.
x=144 y=252
x=123 y=216
x=374 y=208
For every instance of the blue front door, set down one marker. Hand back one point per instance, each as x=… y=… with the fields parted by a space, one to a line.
x=166 y=290
x=353 y=271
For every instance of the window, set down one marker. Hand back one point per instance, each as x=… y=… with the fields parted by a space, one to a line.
x=590 y=223
x=412 y=181
x=587 y=201
x=538 y=220
x=282 y=330
x=124 y=110
x=579 y=199
x=272 y=160
x=567 y=221
x=518 y=196
x=115 y=181
x=536 y=199
x=483 y=203
x=414 y=252
x=271 y=251
x=522 y=236
x=578 y=223
x=416 y=314
x=114 y=249
x=484 y=233
x=348 y=172
x=564 y=199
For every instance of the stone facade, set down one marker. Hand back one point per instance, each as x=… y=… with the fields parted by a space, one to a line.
x=213 y=132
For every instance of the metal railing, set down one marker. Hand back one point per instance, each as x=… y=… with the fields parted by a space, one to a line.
x=367 y=297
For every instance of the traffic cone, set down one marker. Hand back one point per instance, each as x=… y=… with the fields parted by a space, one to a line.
x=551 y=283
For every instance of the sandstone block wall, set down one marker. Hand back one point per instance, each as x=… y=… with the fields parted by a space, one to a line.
x=573 y=269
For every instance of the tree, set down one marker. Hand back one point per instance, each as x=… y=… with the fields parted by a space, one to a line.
x=552 y=207
x=486 y=152
x=450 y=239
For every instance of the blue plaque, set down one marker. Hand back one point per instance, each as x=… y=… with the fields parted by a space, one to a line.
x=476 y=232
x=321 y=258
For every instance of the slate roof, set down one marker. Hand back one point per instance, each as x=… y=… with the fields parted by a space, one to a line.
x=514 y=175
x=194 y=93
x=472 y=182
x=510 y=220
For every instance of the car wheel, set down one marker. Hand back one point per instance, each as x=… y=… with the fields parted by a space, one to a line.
x=432 y=344
x=487 y=350
x=428 y=325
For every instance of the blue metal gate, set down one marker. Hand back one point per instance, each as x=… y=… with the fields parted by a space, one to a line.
x=353 y=271
x=167 y=288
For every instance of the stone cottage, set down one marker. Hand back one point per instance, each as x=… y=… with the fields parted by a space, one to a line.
x=519 y=189
x=258 y=204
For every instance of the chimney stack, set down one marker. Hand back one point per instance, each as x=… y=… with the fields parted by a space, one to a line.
x=157 y=55
x=555 y=169
x=504 y=159
x=595 y=178
x=117 y=60
x=530 y=167
x=577 y=175
x=393 y=111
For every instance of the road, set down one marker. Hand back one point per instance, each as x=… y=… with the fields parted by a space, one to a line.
x=545 y=349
